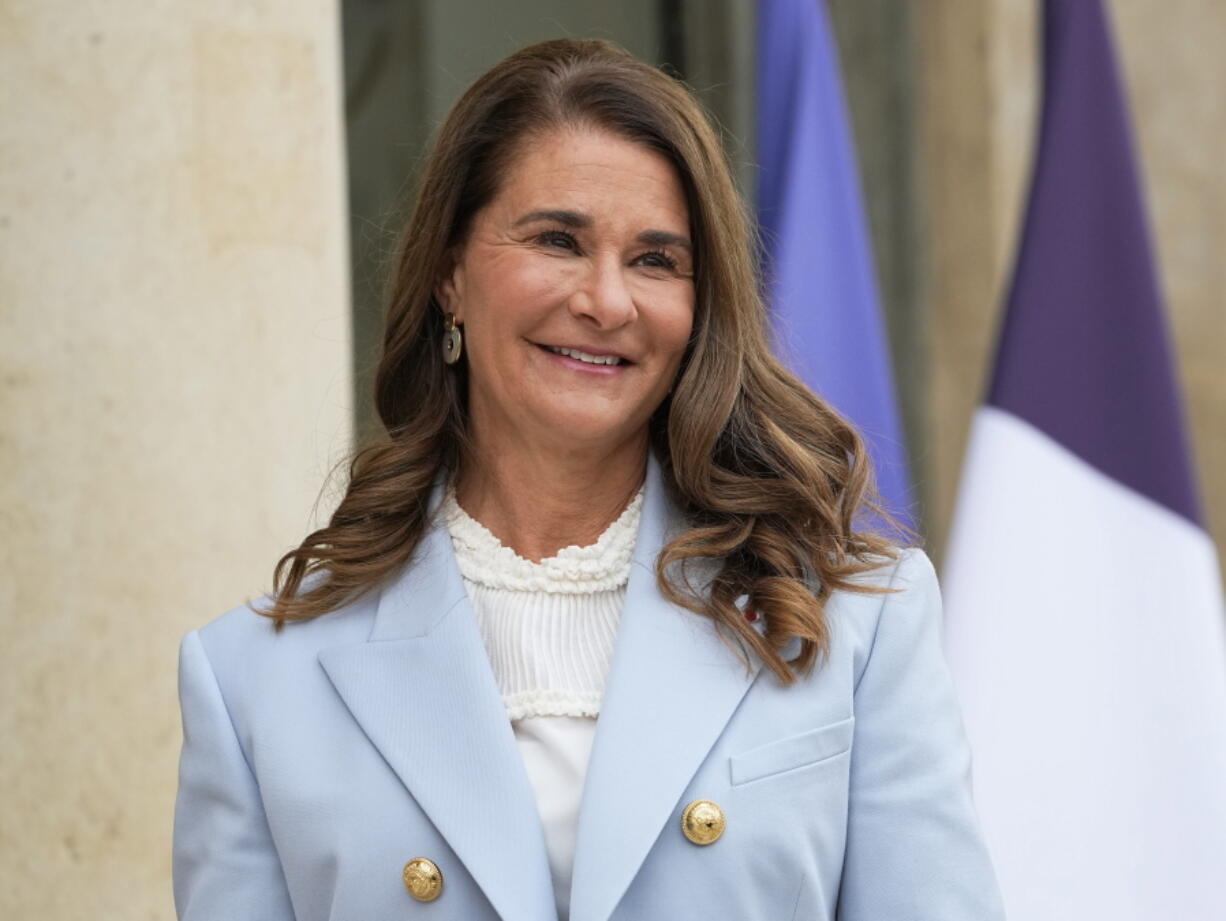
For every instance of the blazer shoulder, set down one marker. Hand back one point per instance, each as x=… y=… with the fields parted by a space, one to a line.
x=908 y=565
x=242 y=624
x=262 y=673
x=906 y=576
x=911 y=605
x=913 y=571
x=242 y=638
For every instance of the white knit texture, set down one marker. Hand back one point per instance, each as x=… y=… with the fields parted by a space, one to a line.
x=548 y=627
x=572 y=570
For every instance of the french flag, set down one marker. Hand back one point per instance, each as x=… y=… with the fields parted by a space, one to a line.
x=1084 y=614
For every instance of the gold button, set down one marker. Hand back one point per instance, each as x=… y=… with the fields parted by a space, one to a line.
x=423 y=879
x=703 y=821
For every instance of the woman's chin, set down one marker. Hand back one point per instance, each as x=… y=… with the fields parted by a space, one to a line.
x=582 y=428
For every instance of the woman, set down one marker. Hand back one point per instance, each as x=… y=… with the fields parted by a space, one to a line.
x=592 y=633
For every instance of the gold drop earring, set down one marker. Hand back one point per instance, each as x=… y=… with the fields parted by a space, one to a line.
x=453 y=341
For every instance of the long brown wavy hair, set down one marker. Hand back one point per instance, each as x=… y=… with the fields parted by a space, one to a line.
x=772 y=481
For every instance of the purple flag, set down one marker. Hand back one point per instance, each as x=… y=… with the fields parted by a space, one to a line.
x=1084 y=353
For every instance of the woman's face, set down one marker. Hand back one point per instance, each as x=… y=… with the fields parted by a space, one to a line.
x=575 y=289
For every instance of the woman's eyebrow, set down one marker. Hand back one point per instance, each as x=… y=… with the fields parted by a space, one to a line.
x=559 y=216
x=581 y=221
x=664 y=238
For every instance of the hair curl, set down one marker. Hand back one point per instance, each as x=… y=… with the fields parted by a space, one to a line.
x=772 y=481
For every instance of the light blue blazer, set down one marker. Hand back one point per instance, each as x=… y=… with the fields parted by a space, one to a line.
x=317 y=761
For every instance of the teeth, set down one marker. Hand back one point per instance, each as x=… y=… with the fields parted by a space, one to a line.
x=584 y=356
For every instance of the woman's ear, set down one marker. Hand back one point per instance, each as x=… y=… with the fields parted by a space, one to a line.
x=448 y=293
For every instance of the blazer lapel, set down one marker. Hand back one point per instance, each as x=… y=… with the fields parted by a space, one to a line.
x=422 y=690
x=672 y=687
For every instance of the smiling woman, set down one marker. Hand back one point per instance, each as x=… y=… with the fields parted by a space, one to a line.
x=592 y=634
x=575 y=291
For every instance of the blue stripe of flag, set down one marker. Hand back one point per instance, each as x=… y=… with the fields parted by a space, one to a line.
x=820 y=279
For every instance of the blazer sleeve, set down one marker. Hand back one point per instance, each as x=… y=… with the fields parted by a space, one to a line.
x=225 y=863
x=914 y=849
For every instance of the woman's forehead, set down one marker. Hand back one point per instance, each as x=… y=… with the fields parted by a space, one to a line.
x=594 y=174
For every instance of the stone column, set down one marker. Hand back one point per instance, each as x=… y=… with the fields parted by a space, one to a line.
x=174 y=385
x=978 y=104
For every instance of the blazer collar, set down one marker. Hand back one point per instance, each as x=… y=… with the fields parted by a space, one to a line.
x=423 y=691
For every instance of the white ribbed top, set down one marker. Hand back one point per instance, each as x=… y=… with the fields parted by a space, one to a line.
x=549 y=627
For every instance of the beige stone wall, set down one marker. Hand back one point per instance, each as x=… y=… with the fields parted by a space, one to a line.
x=977 y=106
x=1176 y=72
x=174 y=383
x=979 y=100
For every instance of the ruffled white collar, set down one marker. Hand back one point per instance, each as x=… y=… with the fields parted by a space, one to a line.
x=573 y=570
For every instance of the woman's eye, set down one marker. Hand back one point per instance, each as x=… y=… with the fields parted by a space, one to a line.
x=559 y=238
x=564 y=240
x=658 y=259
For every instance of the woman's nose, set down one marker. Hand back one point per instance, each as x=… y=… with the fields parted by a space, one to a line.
x=604 y=298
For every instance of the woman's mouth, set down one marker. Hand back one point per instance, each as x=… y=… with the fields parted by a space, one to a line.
x=586 y=357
